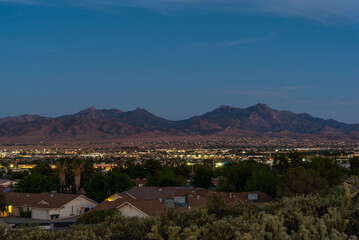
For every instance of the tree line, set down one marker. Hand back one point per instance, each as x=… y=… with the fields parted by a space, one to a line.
x=287 y=176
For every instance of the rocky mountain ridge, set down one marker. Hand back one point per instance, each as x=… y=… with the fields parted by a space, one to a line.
x=225 y=121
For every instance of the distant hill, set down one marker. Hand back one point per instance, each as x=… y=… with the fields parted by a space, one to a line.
x=101 y=125
x=23 y=118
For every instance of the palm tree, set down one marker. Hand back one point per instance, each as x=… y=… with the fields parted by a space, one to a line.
x=78 y=167
x=2 y=203
x=61 y=166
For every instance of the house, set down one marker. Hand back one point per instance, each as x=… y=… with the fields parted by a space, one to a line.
x=47 y=206
x=151 y=193
x=133 y=207
x=116 y=196
x=150 y=201
x=139 y=182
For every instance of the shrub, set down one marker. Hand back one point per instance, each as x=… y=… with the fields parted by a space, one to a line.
x=96 y=216
x=25 y=214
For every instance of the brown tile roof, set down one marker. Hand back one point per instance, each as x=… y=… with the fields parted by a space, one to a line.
x=123 y=195
x=191 y=192
x=148 y=193
x=39 y=200
x=139 y=181
x=195 y=202
x=231 y=197
x=149 y=207
x=110 y=204
x=147 y=198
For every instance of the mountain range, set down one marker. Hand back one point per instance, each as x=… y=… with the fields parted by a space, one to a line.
x=225 y=122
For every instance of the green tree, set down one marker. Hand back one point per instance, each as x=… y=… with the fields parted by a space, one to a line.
x=264 y=181
x=19 y=175
x=327 y=169
x=280 y=164
x=296 y=159
x=165 y=178
x=182 y=170
x=96 y=216
x=301 y=181
x=100 y=186
x=87 y=172
x=235 y=175
x=43 y=169
x=168 y=178
x=36 y=183
x=2 y=203
x=61 y=167
x=77 y=169
x=216 y=204
x=152 y=167
x=134 y=170
x=354 y=163
x=117 y=182
x=203 y=174
x=96 y=188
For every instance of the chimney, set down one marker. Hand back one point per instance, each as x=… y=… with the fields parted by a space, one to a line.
x=198 y=196
x=230 y=195
x=160 y=199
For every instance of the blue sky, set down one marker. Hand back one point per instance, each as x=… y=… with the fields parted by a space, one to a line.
x=179 y=58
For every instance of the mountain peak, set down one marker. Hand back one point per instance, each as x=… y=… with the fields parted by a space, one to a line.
x=261 y=105
x=90 y=109
x=224 y=107
x=93 y=124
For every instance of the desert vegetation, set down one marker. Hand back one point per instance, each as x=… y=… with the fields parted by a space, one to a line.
x=332 y=216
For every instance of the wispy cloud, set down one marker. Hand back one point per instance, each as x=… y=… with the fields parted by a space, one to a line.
x=325 y=11
x=244 y=41
x=293 y=87
x=249 y=40
x=345 y=103
x=258 y=93
x=7 y=42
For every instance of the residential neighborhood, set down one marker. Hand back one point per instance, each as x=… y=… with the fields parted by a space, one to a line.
x=46 y=206
x=152 y=201
x=137 y=201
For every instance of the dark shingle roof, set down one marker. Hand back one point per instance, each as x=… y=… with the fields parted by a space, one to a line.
x=147 y=198
x=148 y=193
x=149 y=207
x=39 y=200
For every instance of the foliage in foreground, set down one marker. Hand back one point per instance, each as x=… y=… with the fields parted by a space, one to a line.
x=96 y=216
x=301 y=217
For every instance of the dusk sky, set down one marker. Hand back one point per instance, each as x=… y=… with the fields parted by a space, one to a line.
x=179 y=58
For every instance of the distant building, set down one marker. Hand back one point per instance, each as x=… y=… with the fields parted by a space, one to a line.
x=8 y=185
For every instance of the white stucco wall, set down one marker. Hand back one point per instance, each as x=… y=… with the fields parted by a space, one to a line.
x=39 y=213
x=73 y=208
x=129 y=211
x=15 y=211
